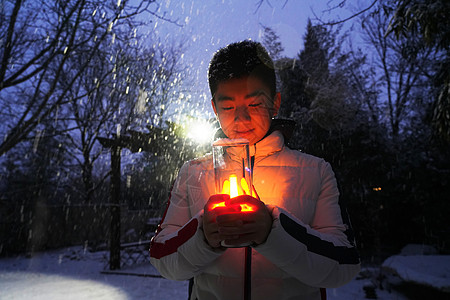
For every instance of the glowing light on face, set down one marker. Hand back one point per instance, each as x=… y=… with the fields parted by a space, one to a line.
x=244 y=108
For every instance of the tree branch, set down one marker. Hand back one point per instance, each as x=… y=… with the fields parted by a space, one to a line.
x=348 y=18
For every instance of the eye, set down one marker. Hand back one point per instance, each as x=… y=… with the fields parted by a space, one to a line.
x=226 y=105
x=255 y=104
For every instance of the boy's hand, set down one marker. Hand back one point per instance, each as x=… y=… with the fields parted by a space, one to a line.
x=245 y=227
x=210 y=226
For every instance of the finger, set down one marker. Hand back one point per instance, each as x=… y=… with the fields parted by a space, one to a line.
x=244 y=239
x=251 y=217
x=243 y=199
x=229 y=218
x=215 y=241
x=218 y=197
x=218 y=211
x=245 y=203
x=212 y=227
x=239 y=230
x=234 y=224
x=228 y=237
x=216 y=201
x=246 y=200
x=232 y=230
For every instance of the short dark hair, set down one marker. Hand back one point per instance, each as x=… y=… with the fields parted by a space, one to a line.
x=241 y=59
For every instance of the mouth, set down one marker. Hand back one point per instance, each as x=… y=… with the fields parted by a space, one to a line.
x=243 y=132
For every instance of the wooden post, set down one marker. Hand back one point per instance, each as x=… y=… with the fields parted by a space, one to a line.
x=136 y=142
x=114 y=256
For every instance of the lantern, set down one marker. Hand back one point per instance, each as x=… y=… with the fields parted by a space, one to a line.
x=232 y=174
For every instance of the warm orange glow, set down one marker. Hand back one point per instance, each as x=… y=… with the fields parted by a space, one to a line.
x=230 y=187
x=247 y=207
x=244 y=206
x=221 y=204
x=233 y=186
x=244 y=186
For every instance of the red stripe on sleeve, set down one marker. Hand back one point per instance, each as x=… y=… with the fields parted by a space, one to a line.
x=159 y=250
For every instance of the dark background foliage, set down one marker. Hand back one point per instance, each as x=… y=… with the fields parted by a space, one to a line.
x=379 y=115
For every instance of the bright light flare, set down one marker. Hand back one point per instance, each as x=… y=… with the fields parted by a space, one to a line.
x=200 y=131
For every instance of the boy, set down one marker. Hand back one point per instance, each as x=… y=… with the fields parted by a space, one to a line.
x=299 y=243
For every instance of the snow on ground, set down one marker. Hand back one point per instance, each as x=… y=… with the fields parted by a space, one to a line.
x=73 y=273
x=428 y=270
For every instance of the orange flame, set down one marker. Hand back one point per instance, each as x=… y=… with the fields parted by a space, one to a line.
x=231 y=188
x=234 y=192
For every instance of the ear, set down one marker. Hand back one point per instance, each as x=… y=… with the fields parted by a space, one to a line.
x=276 y=104
x=213 y=104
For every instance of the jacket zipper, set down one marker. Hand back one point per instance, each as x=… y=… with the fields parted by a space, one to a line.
x=248 y=255
x=248 y=274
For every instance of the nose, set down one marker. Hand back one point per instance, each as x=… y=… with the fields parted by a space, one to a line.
x=241 y=114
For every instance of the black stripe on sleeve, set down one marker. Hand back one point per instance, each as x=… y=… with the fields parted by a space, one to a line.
x=341 y=254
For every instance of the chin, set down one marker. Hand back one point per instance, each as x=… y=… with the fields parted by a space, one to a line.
x=251 y=139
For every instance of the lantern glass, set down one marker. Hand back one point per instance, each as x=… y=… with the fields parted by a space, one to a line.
x=232 y=167
x=232 y=171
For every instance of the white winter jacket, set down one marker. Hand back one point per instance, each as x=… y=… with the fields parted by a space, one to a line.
x=307 y=248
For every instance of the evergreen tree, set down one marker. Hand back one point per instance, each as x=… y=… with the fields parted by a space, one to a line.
x=314 y=58
x=325 y=92
x=271 y=41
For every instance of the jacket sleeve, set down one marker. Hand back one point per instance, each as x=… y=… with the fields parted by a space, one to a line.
x=320 y=254
x=179 y=250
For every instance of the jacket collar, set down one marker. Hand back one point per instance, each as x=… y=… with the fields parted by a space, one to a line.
x=279 y=132
x=272 y=143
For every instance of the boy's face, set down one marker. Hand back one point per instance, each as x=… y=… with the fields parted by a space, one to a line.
x=245 y=108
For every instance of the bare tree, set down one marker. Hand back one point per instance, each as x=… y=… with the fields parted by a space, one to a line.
x=340 y=4
x=167 y=89
x=429 y=21
x=126 y=86
x=38 y=38
x=401 y=70
x=91 y=105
